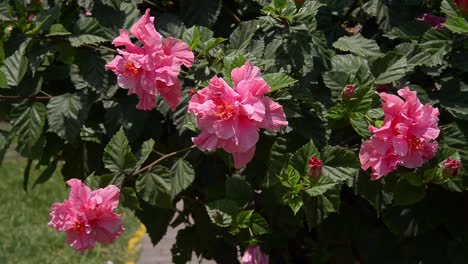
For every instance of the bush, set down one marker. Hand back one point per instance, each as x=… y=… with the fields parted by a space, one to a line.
x=355 y=174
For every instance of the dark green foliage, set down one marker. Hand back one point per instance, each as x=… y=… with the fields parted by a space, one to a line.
x=65 y=107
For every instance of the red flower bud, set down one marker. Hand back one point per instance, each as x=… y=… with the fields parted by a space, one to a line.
x=348 y=91
x=315 y=167
x=451 y=167
x=384 y=87
x=462 y=5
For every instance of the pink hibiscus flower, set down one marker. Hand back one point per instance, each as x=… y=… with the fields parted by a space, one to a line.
x=87 y=216
x=150 y=70
x=433 y=20
x=230 y=118
x=405 y=138
x=254 y=255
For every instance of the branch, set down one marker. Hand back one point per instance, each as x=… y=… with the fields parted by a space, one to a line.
x=149 y=166
x=17 y=97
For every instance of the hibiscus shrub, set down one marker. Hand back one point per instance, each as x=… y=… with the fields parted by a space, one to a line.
x=271 y=131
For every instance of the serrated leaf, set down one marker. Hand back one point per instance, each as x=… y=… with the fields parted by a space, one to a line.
x=89 y=71
x=278 y=81
x=259 y=225
x=202 y=12
x=28 y=128
x=339 y=163
x=358 y=45
x=87 y=30
x=118 y=156
x=322 y=185
x=318 y=208
x=379 y=10
x=58 y=30
x=66 y=114
x=457 y=25
x=145 y=151
x=299 y=160
x=243 y=218
x=389 y=68
x=359 y=123
x=47 y=173
x=243 y=34
x=154 y=187
x=449 y=8
x=436 y=43
x=5 y=14
x=16 y=65
x=238 y=190
x=129 y=199
x=183 y=175
x=222 y=212
x=155 y=219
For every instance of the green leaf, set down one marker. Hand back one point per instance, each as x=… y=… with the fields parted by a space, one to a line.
x=222 y=212
x=358 y=45
x=5 y=14
x=295 y=202
x=183 y=175
x=129 y=199
x=406 y=194
x=243 y=218
x=118 y=156
x=339 y=163
x=299 y=160
x=66 y=114
x=47 y=173
x=318 y=208
x=389 y=68
x=259 y=225
x=450 y=9
x=145 y=151
x=359 y=123
x=457 y=25
x=437 y=43
x=87 y=30
x=155 y=219
x=278 y=81
x=379 y=10
x=16 y=65
x=58 y=30
x=243 y=34
x=201 y=12
x=28 y=127
x=89 y=71
x=230 y=63
x=239 y=190
x=322 y=185
x=154 y=187
x=3 y=80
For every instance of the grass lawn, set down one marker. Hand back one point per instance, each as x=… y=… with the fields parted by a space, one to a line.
x=24 y=234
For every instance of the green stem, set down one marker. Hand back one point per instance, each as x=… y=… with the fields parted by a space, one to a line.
x=169 y=155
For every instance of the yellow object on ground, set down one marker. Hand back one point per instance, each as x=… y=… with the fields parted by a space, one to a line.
x=133 y=243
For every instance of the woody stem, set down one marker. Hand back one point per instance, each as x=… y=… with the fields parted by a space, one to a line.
x=166 y=156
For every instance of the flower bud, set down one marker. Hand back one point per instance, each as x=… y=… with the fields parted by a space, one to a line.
x=433 y=21
x=451 y=167
x=348 y=91
x=462 y=5
x=384 y=87
x=315 y=167
x=254 y=255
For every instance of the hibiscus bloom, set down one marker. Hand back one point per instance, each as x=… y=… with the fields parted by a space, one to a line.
x=405 y=138
x=152 y=69
x=255 y=255
x=434 y=21
x=230 y=118
x=88 y=216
